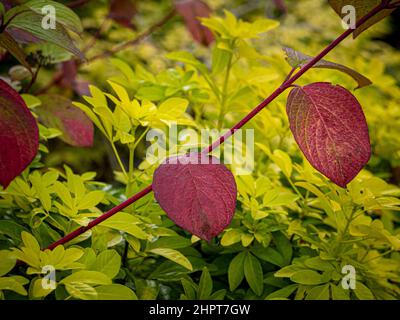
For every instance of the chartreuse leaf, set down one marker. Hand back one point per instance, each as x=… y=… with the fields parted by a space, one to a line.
x=338 y=293
x=174 y=256
x=362 y=292
x=12 y=284
x=283 y=161
x=37 y=290
x=236 y=271
x=307 y=277
x=318 y=293
x=253 y=273
x=282 y=293
x=115 y=292
x=81 y=290
x=126 y=222
x=232 y=28
x=297 y=60
x=7 y=262
x=88 y=277
x=107 y=262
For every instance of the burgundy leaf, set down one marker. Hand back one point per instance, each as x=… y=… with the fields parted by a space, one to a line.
x=22 y=36
x=7 y=4
x=123 y=11
x=191 y=11
x=330 y=128
x=19 y=135
x=58 y=112
x=198 y=197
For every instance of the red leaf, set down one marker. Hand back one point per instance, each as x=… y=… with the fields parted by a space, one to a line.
x=123 y=11
x=330 y=128
x=191 y=11
x=200 y=198
x=58 y=112
x=19 y=135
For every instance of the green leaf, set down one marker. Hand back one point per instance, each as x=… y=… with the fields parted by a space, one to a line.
x=220 y=59
x=338 y=293
x=12 y=285
x=31 y=22
x=12 y=230
x=254 y=274
x=174 y=256
x=190 y=288
x=126 y=222
x=174 y=242
x=282 y=293
x=7 y=262
x=218 y=295
x=81 y=290
x=173 y=107
x=268 y=254
x=231 y=237
x=318 y=264
x=297 y=59
x=205 y=285
x=318 y=293
x=8 y=43
x=362 y=292
x=307 y=277
x=37 y=291
x=362 y=7
x=115 y=292
x=30 y=242
x=91 y=200
x=236 y=271
x=88 y=277
x=284 y=246
x=64 y=15
x=107 y=262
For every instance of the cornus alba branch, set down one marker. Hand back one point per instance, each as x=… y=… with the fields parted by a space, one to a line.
x=285 y=85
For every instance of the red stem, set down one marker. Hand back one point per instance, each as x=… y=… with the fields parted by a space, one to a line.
x=286 y=84
x=100 y=219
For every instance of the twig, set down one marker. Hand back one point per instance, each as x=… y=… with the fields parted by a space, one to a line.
x=135 y=41
x=77 y=3
x=240 y=124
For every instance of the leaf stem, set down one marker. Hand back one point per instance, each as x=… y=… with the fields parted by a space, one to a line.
x=119 y=159
x=225 y=92
x=239 y=125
